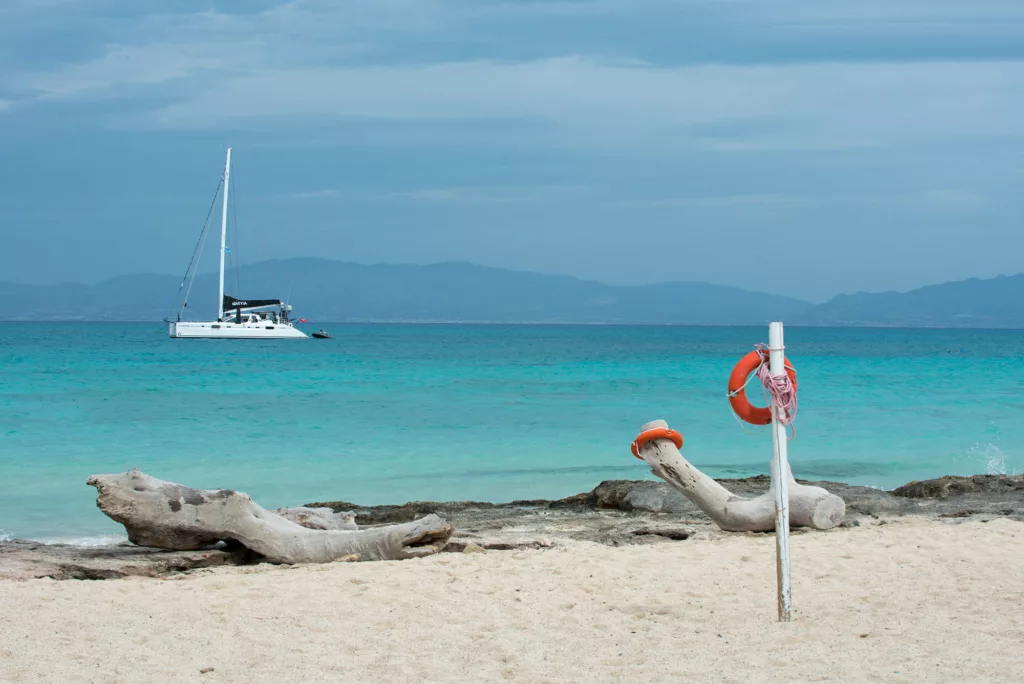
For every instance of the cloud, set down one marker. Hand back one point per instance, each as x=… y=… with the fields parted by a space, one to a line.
x=121 y=70
x=519 y=194
x=823 y=141
x=312 y=194
x=754 y=201
x=827 y=106
x=394 y=61
x=579 y=100
x=525 y=194
x=950 y=199
x=464 y=195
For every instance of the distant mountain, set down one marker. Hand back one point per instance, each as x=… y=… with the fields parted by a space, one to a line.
x=323 y=290
x=974 y=303
x=125 y=298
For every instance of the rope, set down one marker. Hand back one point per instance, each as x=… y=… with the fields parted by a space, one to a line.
x=779 y=392
x=198 y=251
x=736 y=393
x=745 y=427
x=188 y=292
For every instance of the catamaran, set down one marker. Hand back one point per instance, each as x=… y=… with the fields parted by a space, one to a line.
x=236 y=318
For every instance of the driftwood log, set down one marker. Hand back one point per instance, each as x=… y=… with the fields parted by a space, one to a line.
x=320 y=518
x=808 y=506
x=166 y=515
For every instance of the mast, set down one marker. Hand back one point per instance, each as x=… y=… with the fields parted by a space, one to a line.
x=223 y=236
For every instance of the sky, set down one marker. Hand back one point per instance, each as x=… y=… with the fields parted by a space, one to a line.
x=802 y=148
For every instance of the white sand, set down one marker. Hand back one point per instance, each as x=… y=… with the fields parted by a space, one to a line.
x=911 y=601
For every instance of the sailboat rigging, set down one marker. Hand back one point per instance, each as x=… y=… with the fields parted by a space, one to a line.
x=236 y=318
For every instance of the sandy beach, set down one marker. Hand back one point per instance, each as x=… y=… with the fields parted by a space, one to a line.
x=912 y=600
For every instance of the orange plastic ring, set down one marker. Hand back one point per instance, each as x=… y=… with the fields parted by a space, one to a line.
x=755 y=415
x=657 y=433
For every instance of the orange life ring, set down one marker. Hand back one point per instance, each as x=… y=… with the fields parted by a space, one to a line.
x=656 y=433
x=755 y=415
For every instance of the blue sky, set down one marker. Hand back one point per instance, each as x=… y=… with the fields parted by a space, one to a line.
x=804 y=148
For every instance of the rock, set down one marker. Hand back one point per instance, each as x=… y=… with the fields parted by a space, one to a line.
x=642 y=495
x=459 y=545
x=660 y=497
x=993 y=495
x=616 y=512
x=518 y=546
x=573 y=516
x=390 y=514
x=577 y=502
x=473 y=548
x=966 y=497
x=31 y=560
x=672 y=533
x=627 y=533
x=953 y=485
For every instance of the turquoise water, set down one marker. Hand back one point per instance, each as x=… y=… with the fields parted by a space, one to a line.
x=390 y=413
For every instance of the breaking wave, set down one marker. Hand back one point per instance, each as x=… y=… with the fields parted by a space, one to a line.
x=990 y=457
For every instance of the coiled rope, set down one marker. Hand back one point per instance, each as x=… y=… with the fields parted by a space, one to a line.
x=779 y=391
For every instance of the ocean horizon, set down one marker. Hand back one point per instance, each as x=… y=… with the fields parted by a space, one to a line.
x=570 y=324
x=390 y=412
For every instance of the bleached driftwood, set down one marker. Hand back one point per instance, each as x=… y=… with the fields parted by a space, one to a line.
x=170 y=516
x=808 y=506
x=319 y=518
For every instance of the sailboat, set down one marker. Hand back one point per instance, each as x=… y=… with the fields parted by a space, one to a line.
x=261 y=319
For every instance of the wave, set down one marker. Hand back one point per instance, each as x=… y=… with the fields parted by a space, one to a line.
x=991 y=455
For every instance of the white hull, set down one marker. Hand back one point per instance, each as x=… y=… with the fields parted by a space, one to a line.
x=229 y=330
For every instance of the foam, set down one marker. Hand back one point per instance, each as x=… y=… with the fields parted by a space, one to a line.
x=991 y=455
x=84 y=542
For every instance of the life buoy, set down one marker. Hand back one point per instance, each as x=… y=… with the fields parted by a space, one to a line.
x=656 y=433
x=755 y=415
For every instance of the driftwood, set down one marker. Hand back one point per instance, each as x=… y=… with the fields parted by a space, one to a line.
x=320 y=518
x=808 y=506
x=170 y=516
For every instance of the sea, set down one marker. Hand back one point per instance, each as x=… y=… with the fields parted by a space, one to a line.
x=393 y=413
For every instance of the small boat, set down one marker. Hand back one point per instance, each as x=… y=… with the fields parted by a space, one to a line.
x=322 y=334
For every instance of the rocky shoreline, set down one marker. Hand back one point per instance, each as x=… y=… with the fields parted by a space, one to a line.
x=616 y=512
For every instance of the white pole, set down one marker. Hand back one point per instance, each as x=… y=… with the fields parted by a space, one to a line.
x=223 y=236
x=780 y=481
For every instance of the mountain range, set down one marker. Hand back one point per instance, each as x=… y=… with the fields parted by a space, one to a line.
x=324 y=290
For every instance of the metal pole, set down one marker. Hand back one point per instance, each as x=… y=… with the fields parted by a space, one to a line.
x=224 y=236
x=780 y=477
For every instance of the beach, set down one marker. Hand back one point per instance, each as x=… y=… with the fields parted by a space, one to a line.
x=627 y=581
x=913 y=600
